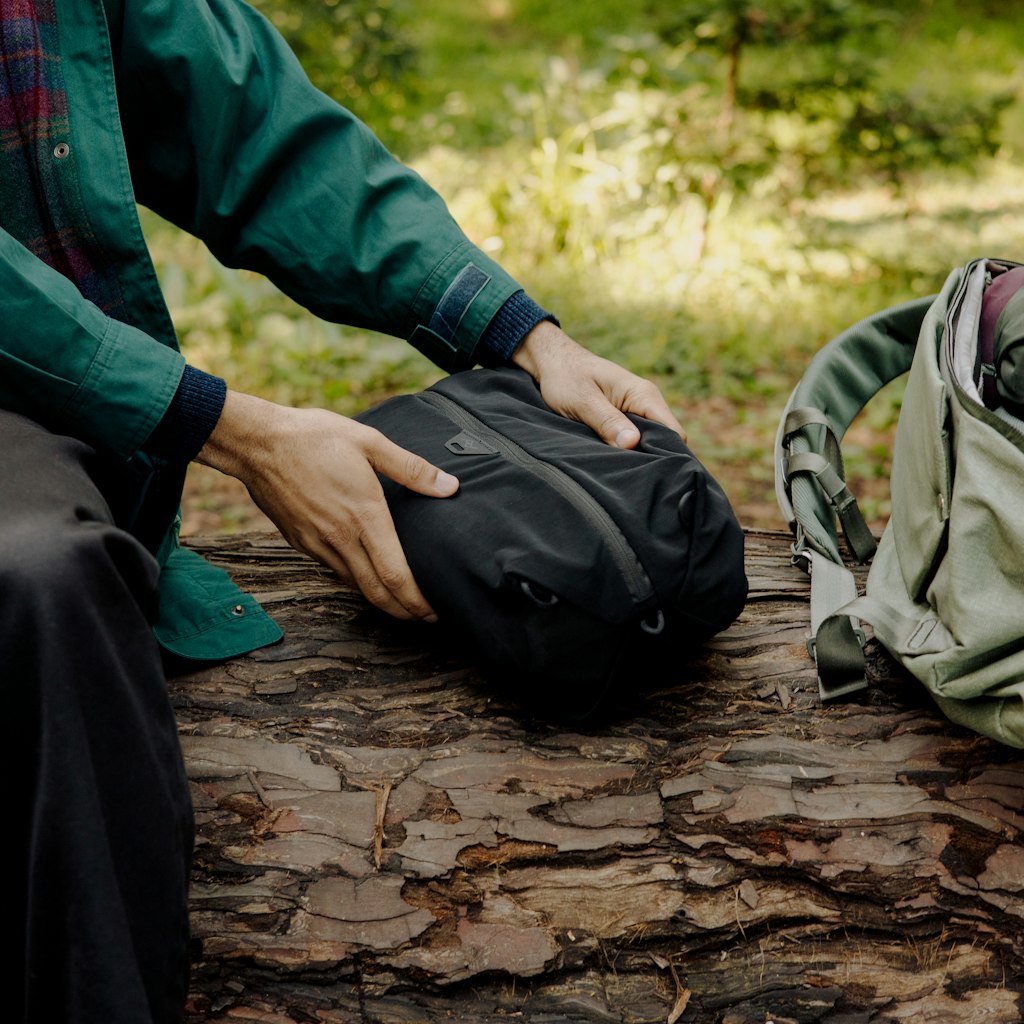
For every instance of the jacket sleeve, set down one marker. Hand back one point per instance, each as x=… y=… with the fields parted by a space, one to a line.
x=227 y=138
x=67 y=365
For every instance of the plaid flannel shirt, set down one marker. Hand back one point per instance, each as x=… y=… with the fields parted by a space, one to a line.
x=50 y=221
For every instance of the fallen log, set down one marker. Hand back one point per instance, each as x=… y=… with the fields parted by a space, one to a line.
x=384 y=837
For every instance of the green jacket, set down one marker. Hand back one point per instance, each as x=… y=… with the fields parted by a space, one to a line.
x=198 y=110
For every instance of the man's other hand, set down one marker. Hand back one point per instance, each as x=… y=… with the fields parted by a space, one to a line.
x=595 y=391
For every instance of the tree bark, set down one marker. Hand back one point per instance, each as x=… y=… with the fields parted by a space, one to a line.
x=384 y=837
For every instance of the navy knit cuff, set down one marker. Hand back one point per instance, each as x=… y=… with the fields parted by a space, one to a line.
x=510 y=325
x=190 y=418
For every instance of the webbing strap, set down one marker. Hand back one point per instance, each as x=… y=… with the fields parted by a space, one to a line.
x=837 y=383
x=858 y=536
x=810 y=478
x=836 y=639
x=806 y=416
x=839 y=655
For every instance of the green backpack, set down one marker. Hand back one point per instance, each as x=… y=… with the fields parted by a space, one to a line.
x=945 y=592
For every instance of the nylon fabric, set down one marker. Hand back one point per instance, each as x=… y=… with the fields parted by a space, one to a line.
x=572 y=568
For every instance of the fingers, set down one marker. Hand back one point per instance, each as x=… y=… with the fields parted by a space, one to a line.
x=602 y=400
x=363 y=548
x=408 y=469
x=375 y=563
x=608 y=423
x=361 y=543
x=607 y=401
x=644 y=399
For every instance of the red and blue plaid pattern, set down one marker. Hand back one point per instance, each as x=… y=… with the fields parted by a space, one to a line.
x=40 y=198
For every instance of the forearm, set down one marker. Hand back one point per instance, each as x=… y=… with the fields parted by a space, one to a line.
x=276 y=177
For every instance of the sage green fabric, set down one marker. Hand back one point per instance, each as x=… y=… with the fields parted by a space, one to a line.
x=197 y=109
x=952 y=555
x=945 y=592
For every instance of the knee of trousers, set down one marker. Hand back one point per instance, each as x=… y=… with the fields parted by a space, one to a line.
x=61 y=577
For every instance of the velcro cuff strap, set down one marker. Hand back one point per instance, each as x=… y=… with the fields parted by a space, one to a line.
x=436 y=339
x=467 y=285
x=439 y=350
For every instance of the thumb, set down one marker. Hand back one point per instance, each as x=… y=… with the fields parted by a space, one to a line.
x=626 y=436
x=409 y=469
x=611 y=425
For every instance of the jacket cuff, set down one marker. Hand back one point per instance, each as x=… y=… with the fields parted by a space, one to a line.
x=189 y=419
x=510 y=325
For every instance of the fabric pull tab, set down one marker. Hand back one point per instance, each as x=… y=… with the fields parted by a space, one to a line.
x=465 y=443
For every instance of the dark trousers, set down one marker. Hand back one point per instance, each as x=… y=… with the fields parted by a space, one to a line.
x=104 y=829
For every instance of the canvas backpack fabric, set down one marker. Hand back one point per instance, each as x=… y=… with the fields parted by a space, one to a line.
x=945 y=591
x=571 y=568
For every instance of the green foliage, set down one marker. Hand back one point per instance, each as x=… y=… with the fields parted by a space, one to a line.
x=354 y=50
x=726 y=24
x=895 y=134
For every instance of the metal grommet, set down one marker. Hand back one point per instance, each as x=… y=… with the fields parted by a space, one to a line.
x=238 y=610
x=61 y=150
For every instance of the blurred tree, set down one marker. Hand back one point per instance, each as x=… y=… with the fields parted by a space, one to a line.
x=822 y=60
x=732 y=27
x=896 y=134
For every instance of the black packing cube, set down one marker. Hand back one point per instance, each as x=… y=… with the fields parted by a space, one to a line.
x=572 y=569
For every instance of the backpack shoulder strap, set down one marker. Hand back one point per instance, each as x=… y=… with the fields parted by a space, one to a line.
x=810 y=479
x=838 y=383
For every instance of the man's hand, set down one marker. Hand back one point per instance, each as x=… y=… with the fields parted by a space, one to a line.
x=313 y=473
x=585 y=387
